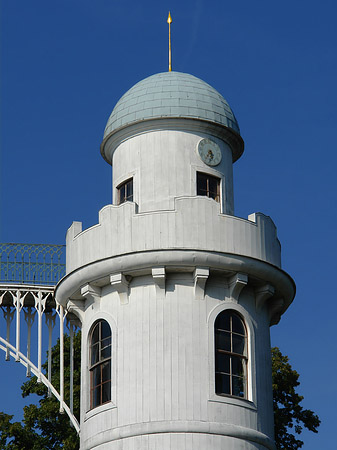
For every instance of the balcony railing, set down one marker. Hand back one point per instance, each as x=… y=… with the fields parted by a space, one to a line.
x=35 y=264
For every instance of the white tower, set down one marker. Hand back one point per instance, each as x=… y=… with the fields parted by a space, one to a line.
x=175 y=294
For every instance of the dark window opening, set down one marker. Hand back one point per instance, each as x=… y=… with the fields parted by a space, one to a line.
x=208 y=185
x=100 y=364
x=125 y=192
x=230 y=355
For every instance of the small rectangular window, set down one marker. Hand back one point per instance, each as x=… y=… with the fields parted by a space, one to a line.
x=125 y=192
x=208 y=185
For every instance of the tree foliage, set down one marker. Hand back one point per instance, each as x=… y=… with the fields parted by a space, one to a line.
x=289 y=415
x=43 y=426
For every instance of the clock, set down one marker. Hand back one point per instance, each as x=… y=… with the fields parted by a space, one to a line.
x=209 y=152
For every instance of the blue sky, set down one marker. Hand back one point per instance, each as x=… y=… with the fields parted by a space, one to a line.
x=66 y=63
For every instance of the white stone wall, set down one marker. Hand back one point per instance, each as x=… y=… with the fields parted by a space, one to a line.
x=194 y=223
x=159 y=270
x=163 y=369
x=163 y=165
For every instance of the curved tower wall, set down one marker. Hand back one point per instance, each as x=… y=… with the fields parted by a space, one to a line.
x=160 y=270
x=163 y=370
x=163 y=165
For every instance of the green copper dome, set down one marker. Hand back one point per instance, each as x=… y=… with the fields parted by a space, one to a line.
x=171 y=95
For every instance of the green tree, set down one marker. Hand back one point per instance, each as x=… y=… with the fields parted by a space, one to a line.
x=43 y=426
x=289 y=415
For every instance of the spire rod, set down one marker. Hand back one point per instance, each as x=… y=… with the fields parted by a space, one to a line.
x=169 y=21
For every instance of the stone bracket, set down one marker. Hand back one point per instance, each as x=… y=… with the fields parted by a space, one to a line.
x=200 y=277
x=235 y=285
x=77 y=308
x=262 y=294
x=90 y=293
x=159 y=278
x=121 y=284
x=88 y=290
x=275 y=310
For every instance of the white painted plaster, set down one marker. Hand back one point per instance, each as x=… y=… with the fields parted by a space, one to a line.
x=164 y=165
x=159 y=269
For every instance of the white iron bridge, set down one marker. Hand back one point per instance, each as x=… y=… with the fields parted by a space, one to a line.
x=32 y=320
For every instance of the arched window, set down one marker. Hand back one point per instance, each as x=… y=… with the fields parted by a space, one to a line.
x=100 y=364
x=230 y=355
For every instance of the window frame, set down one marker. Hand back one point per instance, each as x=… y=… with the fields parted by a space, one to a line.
x=99 y=364
x=231 y=356
x=126 y=198
x=209 y=177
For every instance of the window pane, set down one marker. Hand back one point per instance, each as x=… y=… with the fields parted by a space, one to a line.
x=106 y=371
x=223 y=321
x=106 y=392
x=238 y=344
x=100 y=357
x=106 y=331
x=237 y=366
x=129 y=191
x=94 y=354
x=208 y=185
x=95 y=334
x=213 y=187
x=238 y=386
x=106 y=352
x=96 y=399
x=222 y=384
x=230 y=339
x=201 y=184
x=106 y=342
x=222 y=363
x=96 y=376
x=223 y=340
x=237 y=325
x=125 y=192
x=122 y=194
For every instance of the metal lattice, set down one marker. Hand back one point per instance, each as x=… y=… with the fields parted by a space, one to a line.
x=35 y=264
x=27 y=327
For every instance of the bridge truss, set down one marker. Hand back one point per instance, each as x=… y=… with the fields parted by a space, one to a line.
x=28 y=275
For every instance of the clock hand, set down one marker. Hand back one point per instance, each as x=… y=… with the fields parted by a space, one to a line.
x=210 y=154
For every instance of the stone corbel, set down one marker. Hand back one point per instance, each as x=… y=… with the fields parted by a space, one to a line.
x=90 y=293
x=236 y=284
x=77 y=308
x=121 y=284
x=262 y=294
x=200 y=277
x=159 y=278
x=275 y=310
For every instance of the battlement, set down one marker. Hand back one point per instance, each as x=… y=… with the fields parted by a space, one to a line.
x=195 y=223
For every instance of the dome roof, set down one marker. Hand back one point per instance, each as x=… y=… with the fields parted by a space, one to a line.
x=171 y=94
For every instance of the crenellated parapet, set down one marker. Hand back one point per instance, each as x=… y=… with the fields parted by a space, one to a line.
x=195 y=223
x=193 y=238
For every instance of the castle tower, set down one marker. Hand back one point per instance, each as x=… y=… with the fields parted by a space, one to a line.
x=175 y=294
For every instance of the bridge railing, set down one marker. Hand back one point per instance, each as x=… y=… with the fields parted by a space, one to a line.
x=28 y=274
x=34 y=264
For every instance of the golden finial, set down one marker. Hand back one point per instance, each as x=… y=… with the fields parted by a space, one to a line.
x=169 y=21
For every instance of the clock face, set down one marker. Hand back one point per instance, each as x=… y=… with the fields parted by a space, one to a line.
x=209 y=152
